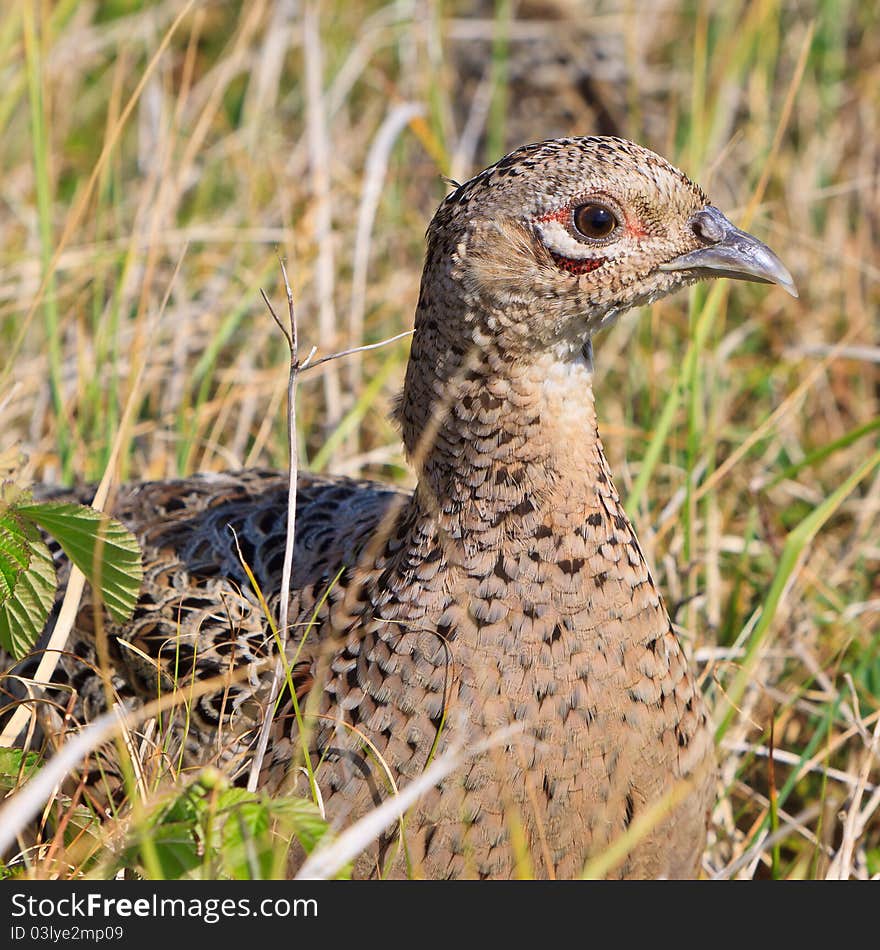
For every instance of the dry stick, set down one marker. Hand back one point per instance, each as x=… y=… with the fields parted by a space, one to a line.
x=856 y=820
x=296 y=367
x=398 y=804
x=425 y=441
x=386 y=523
x=309 y=363
x=290 y=334
x=755 y=852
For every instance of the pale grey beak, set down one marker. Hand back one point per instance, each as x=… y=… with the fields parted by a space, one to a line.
x=729 y=252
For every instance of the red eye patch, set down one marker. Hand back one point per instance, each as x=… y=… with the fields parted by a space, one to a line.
x=573 y=265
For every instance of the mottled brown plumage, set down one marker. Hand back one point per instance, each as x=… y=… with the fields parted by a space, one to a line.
x=508 y=588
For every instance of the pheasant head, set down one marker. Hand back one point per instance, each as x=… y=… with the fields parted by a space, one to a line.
x=570 y=232
x=529 y=258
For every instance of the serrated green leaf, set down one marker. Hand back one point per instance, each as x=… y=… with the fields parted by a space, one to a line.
x=15 y=553
x=246 y=846
x=208 y=827
x=230 y=797
x=185 y=808
x=23 y=613
x=176 y=848
x=102 y=548
x=301 y=817
x=173 y=833
x=253 y=827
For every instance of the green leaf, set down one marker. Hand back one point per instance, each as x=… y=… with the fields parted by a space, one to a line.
x=102 y=548
x=301 y=817
x=209 y=827
x=16 y=767
x=15 y=552
x=176 y=848
x=247 y=847
x=24 y=609
x=167 y=845
x=256 y=829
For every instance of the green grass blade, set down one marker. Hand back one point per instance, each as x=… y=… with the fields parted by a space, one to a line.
x=826 y=451
x=353 y=417
x=703 y=324
x=794 y=548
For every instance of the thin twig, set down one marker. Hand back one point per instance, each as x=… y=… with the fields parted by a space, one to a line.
x=297 y=366
x=756 y=852
x=306 y=364
x=856 y=819
x=290 y=334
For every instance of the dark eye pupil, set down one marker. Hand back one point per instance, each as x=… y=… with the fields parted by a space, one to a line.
x=594 y=220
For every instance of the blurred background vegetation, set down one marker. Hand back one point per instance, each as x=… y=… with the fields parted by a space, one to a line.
x=157 y=156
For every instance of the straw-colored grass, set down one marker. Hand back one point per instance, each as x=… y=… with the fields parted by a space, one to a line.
x=167 y=149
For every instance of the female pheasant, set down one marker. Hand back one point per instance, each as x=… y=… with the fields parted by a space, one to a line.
x=508 y=588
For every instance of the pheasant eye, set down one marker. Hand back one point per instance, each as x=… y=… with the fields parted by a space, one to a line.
x=594 y=220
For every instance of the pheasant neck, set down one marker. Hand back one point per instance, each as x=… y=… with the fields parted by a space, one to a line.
x=508 y=448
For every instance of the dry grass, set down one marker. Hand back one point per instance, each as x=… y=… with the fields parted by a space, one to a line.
x=137 y=136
